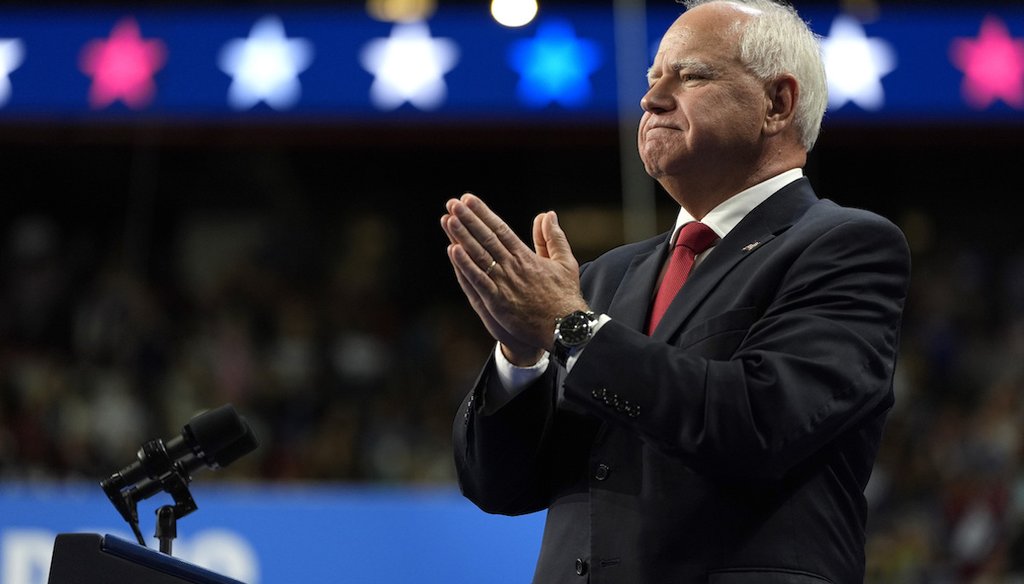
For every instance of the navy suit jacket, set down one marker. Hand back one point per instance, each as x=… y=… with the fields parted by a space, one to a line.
x=733 y=445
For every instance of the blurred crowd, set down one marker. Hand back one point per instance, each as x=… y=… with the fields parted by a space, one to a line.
x=349 y=372
x=337 y=378
x=947 y=494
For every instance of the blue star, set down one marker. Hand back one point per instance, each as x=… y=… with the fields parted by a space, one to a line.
x=554 y=66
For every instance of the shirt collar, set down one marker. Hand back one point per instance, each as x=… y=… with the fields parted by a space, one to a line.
x=731 y=211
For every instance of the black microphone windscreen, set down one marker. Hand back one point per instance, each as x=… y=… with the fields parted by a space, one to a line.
x=245 y=444
x=215 y=430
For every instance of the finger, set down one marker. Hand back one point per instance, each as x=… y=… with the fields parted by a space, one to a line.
x=447 y=230
x=473 y=227
x=444 y=227
x=449 y=203
x=483 y=297
x=495 y=223
x=540 y=244
x=475 y=275
x=448 y=207
x=473 y=209
x=478 y=303
x=467 y=288
x=557 y=242
x=481 y=257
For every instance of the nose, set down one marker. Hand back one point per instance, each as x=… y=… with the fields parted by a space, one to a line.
x=656 y=100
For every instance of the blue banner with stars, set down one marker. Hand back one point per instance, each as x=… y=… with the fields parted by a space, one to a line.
x=339 y=64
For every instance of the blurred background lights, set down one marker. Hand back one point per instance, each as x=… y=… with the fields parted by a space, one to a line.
x=409 y=66
x=993 y=65
x=513 y=12
x=12 y=53
x=555 y=65
x=265 y=66
x=855 y=65
x=122 y=66
x=400 y=10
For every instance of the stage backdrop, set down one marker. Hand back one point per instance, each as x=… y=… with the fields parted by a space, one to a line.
x=914 y=64
x=263 y=534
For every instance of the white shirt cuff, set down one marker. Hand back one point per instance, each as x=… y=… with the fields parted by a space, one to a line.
x=514 y=378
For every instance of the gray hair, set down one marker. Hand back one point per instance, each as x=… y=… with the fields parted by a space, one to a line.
x=779 y=41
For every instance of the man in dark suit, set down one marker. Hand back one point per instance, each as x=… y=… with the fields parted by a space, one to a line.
x=733 y=443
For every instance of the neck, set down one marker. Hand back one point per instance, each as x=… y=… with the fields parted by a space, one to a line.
x=700 y=194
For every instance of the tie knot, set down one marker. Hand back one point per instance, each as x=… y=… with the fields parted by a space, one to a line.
x=697 y=237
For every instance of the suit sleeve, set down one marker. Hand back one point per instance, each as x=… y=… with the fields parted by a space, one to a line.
x=500 y=456
x=756 y=390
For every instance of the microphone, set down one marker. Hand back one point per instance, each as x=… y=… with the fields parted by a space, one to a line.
x=213 y=439
x=192 y=461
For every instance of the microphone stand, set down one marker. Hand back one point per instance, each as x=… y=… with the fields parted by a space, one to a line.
x=167 y=516
x=166 y=528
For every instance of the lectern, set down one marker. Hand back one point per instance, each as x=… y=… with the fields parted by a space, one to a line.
x=90 y=558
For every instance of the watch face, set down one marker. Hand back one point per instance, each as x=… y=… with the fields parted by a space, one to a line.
x=574 y=329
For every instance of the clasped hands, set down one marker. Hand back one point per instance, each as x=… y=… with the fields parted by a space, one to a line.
x=516 y=291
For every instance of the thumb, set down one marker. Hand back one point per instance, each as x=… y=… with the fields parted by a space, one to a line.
x=540 y=240
x=556 y=242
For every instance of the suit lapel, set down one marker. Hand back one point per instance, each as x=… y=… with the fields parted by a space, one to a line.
x=632 y=300
x=750 y=236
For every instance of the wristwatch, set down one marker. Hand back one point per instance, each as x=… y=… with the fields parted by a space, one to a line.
x=572 y=332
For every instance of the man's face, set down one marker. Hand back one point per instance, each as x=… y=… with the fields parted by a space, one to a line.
x=704 y=111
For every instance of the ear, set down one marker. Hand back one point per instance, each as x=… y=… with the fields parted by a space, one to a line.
x=782 y=94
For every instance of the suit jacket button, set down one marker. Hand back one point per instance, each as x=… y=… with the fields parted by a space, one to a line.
x=581 y=567
x=602 y=472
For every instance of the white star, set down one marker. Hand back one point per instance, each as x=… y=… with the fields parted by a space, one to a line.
x=265 y=66
x=855 y=65
x=409 y=66
x=12 y=53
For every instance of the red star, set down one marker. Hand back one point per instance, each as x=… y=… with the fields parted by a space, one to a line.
x=993 y=66
x=122 y=67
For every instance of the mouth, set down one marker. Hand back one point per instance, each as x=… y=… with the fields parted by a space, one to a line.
x=660 y=133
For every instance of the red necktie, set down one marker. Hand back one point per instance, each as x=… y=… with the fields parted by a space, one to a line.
x=694 y=238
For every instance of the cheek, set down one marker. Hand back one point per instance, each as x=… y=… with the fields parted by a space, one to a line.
x=649 y=144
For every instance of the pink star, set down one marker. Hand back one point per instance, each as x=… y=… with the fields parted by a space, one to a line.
x=993 y=66
x=122 y=67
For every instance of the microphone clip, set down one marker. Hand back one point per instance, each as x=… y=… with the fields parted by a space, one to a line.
x=165 y=474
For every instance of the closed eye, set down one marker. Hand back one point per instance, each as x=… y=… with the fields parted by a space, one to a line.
x=693 y=71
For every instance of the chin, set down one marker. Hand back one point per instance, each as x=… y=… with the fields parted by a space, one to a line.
x=654 y=171
x=654 y=166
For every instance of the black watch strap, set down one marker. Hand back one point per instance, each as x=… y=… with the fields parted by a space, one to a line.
x=561 y=353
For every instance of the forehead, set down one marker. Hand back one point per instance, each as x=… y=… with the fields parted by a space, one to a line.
x=709 y=29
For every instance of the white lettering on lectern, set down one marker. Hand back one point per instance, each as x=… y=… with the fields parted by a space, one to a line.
x=25 y=556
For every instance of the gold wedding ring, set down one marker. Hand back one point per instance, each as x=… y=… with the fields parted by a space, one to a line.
x=487 y=272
